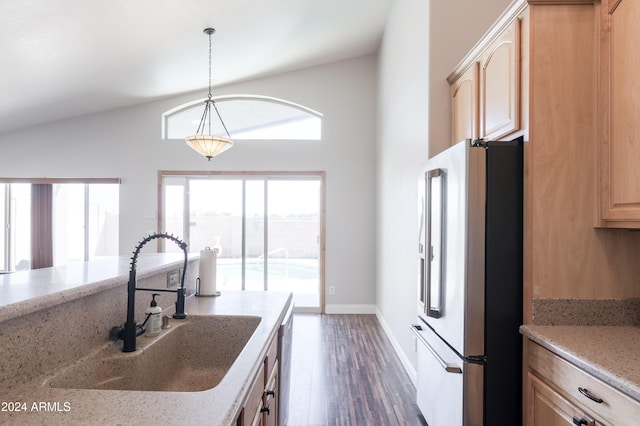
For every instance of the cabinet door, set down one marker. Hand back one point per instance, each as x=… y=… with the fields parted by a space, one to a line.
x=500 y=85
x=548 y=408
x=464 y=106
x=258 y=418
x=619 y=110
x=271 y=398
x=253 y=405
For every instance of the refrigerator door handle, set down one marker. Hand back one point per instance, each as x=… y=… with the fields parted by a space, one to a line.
x=448 y=367
x=435 y=183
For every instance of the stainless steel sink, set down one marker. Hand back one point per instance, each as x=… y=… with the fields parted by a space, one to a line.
x=194 y=355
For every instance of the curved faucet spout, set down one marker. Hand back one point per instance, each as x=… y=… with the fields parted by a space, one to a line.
x=131 y=329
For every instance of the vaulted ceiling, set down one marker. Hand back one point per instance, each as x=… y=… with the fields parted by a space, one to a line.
x=67 y=58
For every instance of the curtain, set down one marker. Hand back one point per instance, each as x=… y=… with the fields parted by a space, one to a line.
x=41 y=226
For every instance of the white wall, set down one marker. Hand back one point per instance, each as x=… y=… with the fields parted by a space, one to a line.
x=402 y=146
x=126 y=143
x=423 y=42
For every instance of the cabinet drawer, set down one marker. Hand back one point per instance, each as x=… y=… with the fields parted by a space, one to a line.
x=616 y=408
x=548 y=407
x=272 y=355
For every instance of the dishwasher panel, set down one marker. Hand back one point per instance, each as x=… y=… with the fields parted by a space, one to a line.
x=285 y=334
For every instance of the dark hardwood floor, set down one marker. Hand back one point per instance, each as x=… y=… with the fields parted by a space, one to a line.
x=345 y=372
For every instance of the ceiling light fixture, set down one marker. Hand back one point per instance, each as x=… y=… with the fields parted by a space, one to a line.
x=207 y=144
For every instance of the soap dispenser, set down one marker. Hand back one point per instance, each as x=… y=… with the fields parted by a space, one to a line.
x=154 y=312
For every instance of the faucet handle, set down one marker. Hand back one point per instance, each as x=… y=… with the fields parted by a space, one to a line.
x=180 y=313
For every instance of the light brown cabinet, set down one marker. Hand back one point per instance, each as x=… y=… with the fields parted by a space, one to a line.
x=251 y=414
x=559 y=393
x=619 y=113
x=270 y=399
x=270 y=394
x=464 y=105
x=261 y=405
x=485 y=97
x=549 y=408
x=500 y=85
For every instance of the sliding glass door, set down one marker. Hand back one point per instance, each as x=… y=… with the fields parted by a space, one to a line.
x=267 y=229
x=293 y=256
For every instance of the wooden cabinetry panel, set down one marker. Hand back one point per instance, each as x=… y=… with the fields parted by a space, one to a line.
x=253 y=404
x=485 y=97
x=500 y=85
x=261 y=406
x=620 y=113
x=549 y=408
x=271 y=399
x=566 y=379
x=464 y=106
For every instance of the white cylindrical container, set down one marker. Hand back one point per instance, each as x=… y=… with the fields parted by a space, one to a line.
x=207 y=273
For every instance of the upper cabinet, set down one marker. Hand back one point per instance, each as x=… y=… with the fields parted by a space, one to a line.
x=500 y=85
x=464 y=105
x=485 y=97
x=619 y=114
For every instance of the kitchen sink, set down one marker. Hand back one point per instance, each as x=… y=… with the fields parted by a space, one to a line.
x=193 y=355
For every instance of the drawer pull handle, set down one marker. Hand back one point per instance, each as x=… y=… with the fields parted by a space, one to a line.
x=579 y=422
x=586 y=393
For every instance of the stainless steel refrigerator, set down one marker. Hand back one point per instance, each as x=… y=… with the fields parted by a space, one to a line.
x=470 y=286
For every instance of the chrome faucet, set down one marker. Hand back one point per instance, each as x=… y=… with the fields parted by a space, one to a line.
x=130 y=330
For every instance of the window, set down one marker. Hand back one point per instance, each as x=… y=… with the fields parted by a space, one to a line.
x=83 y=218
x=15 y=205
x=247 y=117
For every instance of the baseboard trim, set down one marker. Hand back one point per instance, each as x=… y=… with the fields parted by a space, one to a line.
x=305 y=310
x=411 y=371
x=350 y=309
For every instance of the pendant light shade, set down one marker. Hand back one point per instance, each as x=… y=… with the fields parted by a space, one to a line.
x=205 y=143
x=208 y=145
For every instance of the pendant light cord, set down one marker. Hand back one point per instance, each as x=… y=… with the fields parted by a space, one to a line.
x=210 y=101
x=209 y=31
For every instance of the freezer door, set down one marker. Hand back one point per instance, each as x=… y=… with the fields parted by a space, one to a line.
x=440 y=384
x=449 y=392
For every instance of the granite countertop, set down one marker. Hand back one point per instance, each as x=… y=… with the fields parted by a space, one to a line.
x=610 y=353
x=25 y=292
x=217 y=406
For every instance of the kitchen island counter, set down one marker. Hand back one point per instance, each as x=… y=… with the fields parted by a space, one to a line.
x=220 y=405
x=26 y=292
x=50 y=319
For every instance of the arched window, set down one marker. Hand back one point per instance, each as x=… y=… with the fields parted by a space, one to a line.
x=247 y=117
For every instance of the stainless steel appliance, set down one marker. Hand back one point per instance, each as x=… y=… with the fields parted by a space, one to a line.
x=470 y=307
x=285 y=336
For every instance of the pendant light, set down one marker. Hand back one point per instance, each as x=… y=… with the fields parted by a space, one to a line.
x=205 y=143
